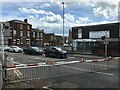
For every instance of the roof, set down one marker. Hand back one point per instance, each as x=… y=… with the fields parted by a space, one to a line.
x=37 y=30
x=59 y=38
x=89 y=25
x=18 y=21
x=49 y=34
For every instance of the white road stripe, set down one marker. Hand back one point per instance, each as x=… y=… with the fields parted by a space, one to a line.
x=110 y=74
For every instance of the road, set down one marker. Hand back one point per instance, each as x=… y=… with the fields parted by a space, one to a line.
x=22 y=58
x=78 y=75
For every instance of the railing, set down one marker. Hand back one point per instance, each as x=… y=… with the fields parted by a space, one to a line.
x=1 y=80
x=60 y=69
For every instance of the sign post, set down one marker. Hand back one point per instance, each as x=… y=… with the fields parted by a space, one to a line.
x=104 y=38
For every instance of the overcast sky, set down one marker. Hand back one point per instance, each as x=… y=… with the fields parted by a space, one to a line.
x=48 y=14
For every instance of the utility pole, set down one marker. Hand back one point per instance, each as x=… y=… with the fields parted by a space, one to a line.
x=2 y=42
x=4 y=56
x=63 y=24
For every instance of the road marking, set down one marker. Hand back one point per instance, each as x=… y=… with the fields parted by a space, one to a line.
x=45 y=87
x=102 y=65
x=110 y=74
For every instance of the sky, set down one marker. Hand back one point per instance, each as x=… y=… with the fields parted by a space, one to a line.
x=48 y=14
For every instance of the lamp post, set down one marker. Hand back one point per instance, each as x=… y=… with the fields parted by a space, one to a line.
x=2 y=42
x=63 y=24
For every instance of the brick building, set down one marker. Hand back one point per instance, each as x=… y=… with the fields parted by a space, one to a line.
x=37 y=37
x=20 y=31
x=87 y=39
x=49 y=39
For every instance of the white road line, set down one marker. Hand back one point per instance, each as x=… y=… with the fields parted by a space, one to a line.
x=110 y=74
x=102 y=65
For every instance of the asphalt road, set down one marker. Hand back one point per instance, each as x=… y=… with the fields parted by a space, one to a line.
x=22 y=58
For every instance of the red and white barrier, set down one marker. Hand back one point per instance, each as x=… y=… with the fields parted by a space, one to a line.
x=98 y=60
x=58 y=63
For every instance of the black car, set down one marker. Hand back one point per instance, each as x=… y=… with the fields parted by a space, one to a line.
x=33 y=51
x=55 y=51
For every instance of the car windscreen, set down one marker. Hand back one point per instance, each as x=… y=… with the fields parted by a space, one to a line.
x=36 y=48
x=57 y=48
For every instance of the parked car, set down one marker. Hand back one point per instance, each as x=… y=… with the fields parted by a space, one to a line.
x=55 y=51
x=33 y=51
x=15 y=49
x=5 y=48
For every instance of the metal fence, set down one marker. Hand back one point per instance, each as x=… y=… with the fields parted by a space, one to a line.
x=1 y=80
x=45 y=71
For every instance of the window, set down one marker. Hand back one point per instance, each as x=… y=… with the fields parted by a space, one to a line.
x=21 y=26
x=41 y=35
x=99 y=34
x=18 y=41
x=41 y=41
x=28 y=41
x=37 y=34
x=14 y=32
x=21 y=40
x=28 y=27
x=33 y=34
x=37 y=41
x=14 y=41
x=79 y=32
x=28 y=34
x=21 y=33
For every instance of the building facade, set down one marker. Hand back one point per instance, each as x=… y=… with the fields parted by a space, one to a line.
x=88 y=39
x=49 y=39
x=20 y=32
x=37 y=37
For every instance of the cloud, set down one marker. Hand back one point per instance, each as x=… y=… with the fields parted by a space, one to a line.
x=82 y=20
x=35 y=11
x=69 y=17
x=43 y=16
x=52 y=19
x=107 y=10
x=43 y=5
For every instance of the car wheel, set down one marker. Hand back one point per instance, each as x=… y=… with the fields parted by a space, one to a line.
x=14 y=51
x=58 y=56
x=33 y=53
x=20 y=51
x=46 y=54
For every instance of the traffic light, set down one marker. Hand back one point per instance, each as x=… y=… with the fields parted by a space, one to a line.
x=103 y=37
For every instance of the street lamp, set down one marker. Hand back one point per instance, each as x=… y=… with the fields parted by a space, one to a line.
x=63 y=24
x=2 y=42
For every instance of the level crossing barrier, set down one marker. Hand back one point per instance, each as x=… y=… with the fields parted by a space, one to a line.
x=54 y=69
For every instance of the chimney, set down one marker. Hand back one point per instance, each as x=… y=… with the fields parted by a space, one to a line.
x=25 y=20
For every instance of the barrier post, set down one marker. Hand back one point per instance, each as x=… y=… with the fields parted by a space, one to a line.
x=1 y=78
